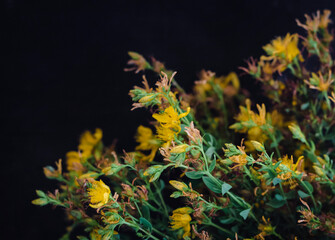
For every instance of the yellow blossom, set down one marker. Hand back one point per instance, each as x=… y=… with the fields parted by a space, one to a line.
x=286 y=167
x=240 y=160
x=170 y=118
x=145 y=138
x=94 y=235
x=73 y=162
x=319 y=83
x=286 y=48
x=202 y=86
x=165 y=134
x=181 y=219
x=229 y=84
x=250 y=122
x=169 y=123
x=266 y=229
x=147 y=142
x=99 y=194
x=246 y=114
x=88 y=141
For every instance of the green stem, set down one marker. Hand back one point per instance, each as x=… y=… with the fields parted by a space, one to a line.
x=286 y=202
x=138 y=209
x=220 y=228
x=274 y=140
x=309 y=192
x=324 y=93
x=162 y=200
x=210 y=223
x=277 y=235
x=135 y=225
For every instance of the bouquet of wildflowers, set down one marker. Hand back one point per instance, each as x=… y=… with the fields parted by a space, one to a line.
x=212 y=163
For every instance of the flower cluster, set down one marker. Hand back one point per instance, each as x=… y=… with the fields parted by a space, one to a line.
x=212 y=163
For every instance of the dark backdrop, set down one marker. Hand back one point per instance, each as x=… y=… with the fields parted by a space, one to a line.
x=63 y=73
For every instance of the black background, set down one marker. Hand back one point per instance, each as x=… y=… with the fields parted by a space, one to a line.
x=63 y=73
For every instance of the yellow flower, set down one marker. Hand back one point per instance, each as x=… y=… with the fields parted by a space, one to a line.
x=286 y=49
x=73 y=162
x=250 y=122
x=165 y=134
x=145 y=138
x=240 y=160
x=88 y=141
x=147 y=142
x=202 y=87
x=319 y=83
x=94 y=235
x=169 y=123
x=99 y=194
x=286 y=167
x=266 y=229
x=245 y=112
x=181 y=219
x=229 y=84
x=170 y=118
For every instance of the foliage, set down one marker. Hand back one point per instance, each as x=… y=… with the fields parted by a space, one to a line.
x=210 y=166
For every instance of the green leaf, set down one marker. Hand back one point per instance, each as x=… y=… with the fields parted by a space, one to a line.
x=155 y=176
x=146 y=224
x=212 y=165
x=304 y=106
x=176 y=194
x=279 y=197
x=245 y=213
x=225 y=188
x=302 y=194
x=82 y=238
x=178 y=158
x=211 y=184
x=146 y=212
x=276 y=180
x=209 y=139
x=40 y=201
x=195 y=174
x=275 y=203
x=297 y=133
x=277 y=164
x=40 y=193
x=227 y=221
x=76 y=214
x=309 y=186
x=162 y=185
x=209 y=152
x=290 y=195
